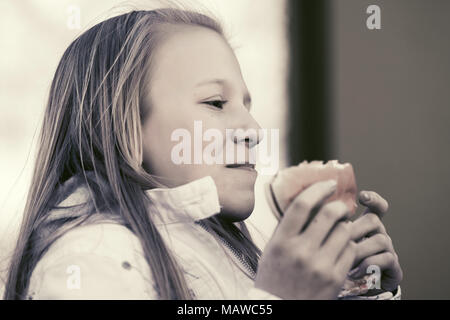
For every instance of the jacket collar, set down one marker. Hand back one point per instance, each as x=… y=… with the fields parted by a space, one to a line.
x=190 y=202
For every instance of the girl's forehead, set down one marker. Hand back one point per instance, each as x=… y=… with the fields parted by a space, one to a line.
x=194 y=53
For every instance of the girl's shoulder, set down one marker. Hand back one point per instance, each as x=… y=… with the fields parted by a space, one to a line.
x=102 y=260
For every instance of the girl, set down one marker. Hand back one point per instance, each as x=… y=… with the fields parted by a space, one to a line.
x=110 y=215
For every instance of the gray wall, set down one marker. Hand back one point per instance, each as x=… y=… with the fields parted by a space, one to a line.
x=392 y=121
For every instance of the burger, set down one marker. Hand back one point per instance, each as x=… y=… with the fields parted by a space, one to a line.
x=290 y=182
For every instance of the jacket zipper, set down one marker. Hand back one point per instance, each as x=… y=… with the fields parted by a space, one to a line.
x=239 y=258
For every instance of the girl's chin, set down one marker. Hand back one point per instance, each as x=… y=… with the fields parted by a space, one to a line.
x=234 y=216
x=238 y=209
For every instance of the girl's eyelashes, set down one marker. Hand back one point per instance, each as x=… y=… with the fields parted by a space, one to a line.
x=216 y=103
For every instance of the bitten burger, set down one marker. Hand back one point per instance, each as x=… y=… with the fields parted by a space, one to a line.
x=290 y=182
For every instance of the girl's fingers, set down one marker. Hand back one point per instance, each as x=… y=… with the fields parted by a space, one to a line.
x=299 y=210
x=371 y=246
x=345 y=260
x=366 y=225
x=374 y=202
x=337 y=242
x=324 y=221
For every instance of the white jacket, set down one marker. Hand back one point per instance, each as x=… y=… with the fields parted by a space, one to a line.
x=106 y=261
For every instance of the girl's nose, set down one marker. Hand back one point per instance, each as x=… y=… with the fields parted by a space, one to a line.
x=251 y=135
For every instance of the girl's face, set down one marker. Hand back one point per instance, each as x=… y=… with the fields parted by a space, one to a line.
x=193 y=70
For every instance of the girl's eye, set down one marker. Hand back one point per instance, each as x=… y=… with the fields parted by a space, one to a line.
x=216 y=103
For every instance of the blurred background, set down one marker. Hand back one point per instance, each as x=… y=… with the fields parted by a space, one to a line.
x=335 y=89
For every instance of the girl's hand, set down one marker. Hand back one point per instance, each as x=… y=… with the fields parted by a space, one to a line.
x=308 y=261
x=373 y=244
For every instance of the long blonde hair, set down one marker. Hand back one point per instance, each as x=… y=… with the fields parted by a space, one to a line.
x=92 y=130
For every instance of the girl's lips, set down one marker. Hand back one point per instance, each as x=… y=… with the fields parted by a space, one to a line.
x=244 y=166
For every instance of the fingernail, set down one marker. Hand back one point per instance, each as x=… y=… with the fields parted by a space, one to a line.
x=353 y=272
x=366 y=196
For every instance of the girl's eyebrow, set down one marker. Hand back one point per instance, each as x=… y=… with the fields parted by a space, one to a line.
x=247 y=96
x=214 y=81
